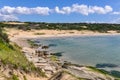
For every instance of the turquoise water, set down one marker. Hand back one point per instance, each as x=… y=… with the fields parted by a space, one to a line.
x=86 y=50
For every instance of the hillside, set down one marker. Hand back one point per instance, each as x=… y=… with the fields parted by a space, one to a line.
x=12 y=60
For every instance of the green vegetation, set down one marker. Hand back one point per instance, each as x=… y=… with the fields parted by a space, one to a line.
x=15 y=77
x=97 y=27
x=115 y=74
x=54 y=58
x=3 y=36
x=13 y=55
x=10 y=54
x=103 y=65
x=99 y=70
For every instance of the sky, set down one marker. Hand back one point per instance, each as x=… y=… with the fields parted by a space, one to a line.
x=94 y=11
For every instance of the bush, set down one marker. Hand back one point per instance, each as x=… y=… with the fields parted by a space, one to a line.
x=15 y=77
x=24 y=77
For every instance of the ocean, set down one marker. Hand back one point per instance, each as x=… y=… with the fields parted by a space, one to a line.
x=86 y=50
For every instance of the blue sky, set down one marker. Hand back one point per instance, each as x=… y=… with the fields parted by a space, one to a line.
x=106 y=11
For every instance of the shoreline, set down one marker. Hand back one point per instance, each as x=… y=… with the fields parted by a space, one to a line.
x=15 y=33
x=67 y=35
x=21 y=39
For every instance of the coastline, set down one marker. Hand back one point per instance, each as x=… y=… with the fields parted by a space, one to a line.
x=21 y=37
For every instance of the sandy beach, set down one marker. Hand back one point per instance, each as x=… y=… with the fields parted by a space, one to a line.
x=20 y=37
x=15 y=33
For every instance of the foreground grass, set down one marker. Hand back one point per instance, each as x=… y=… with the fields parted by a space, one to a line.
x=10 y=54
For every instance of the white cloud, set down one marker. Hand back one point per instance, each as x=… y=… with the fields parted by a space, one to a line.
x=96 y=9
x=64 y=10
x=7 y=10
x=40 y=10
x=84 y=9
x=22 y=10
x=100 y=10
x=25 y=10
x=57 y=10
x=67 y=10
x=10 y=13
x=108 y=8
x=8 y=18
x=116 y=13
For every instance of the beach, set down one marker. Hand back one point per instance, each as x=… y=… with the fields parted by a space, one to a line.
x=12 y=32
x=21 y=38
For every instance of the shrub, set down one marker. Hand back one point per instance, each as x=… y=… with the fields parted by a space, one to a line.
x=24 y=77
x=15 y=77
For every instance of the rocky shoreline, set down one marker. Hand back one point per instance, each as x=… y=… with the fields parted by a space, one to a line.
x=51 y=64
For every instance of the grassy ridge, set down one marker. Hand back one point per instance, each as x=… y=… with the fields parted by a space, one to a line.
x=10 y=54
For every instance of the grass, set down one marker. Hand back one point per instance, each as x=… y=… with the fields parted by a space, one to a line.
x=15 y=77
x=98 y=70
x=24 y=77
x=54 y=58
x=13 y=56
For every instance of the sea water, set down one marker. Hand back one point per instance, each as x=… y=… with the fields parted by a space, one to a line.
x=86 y=50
